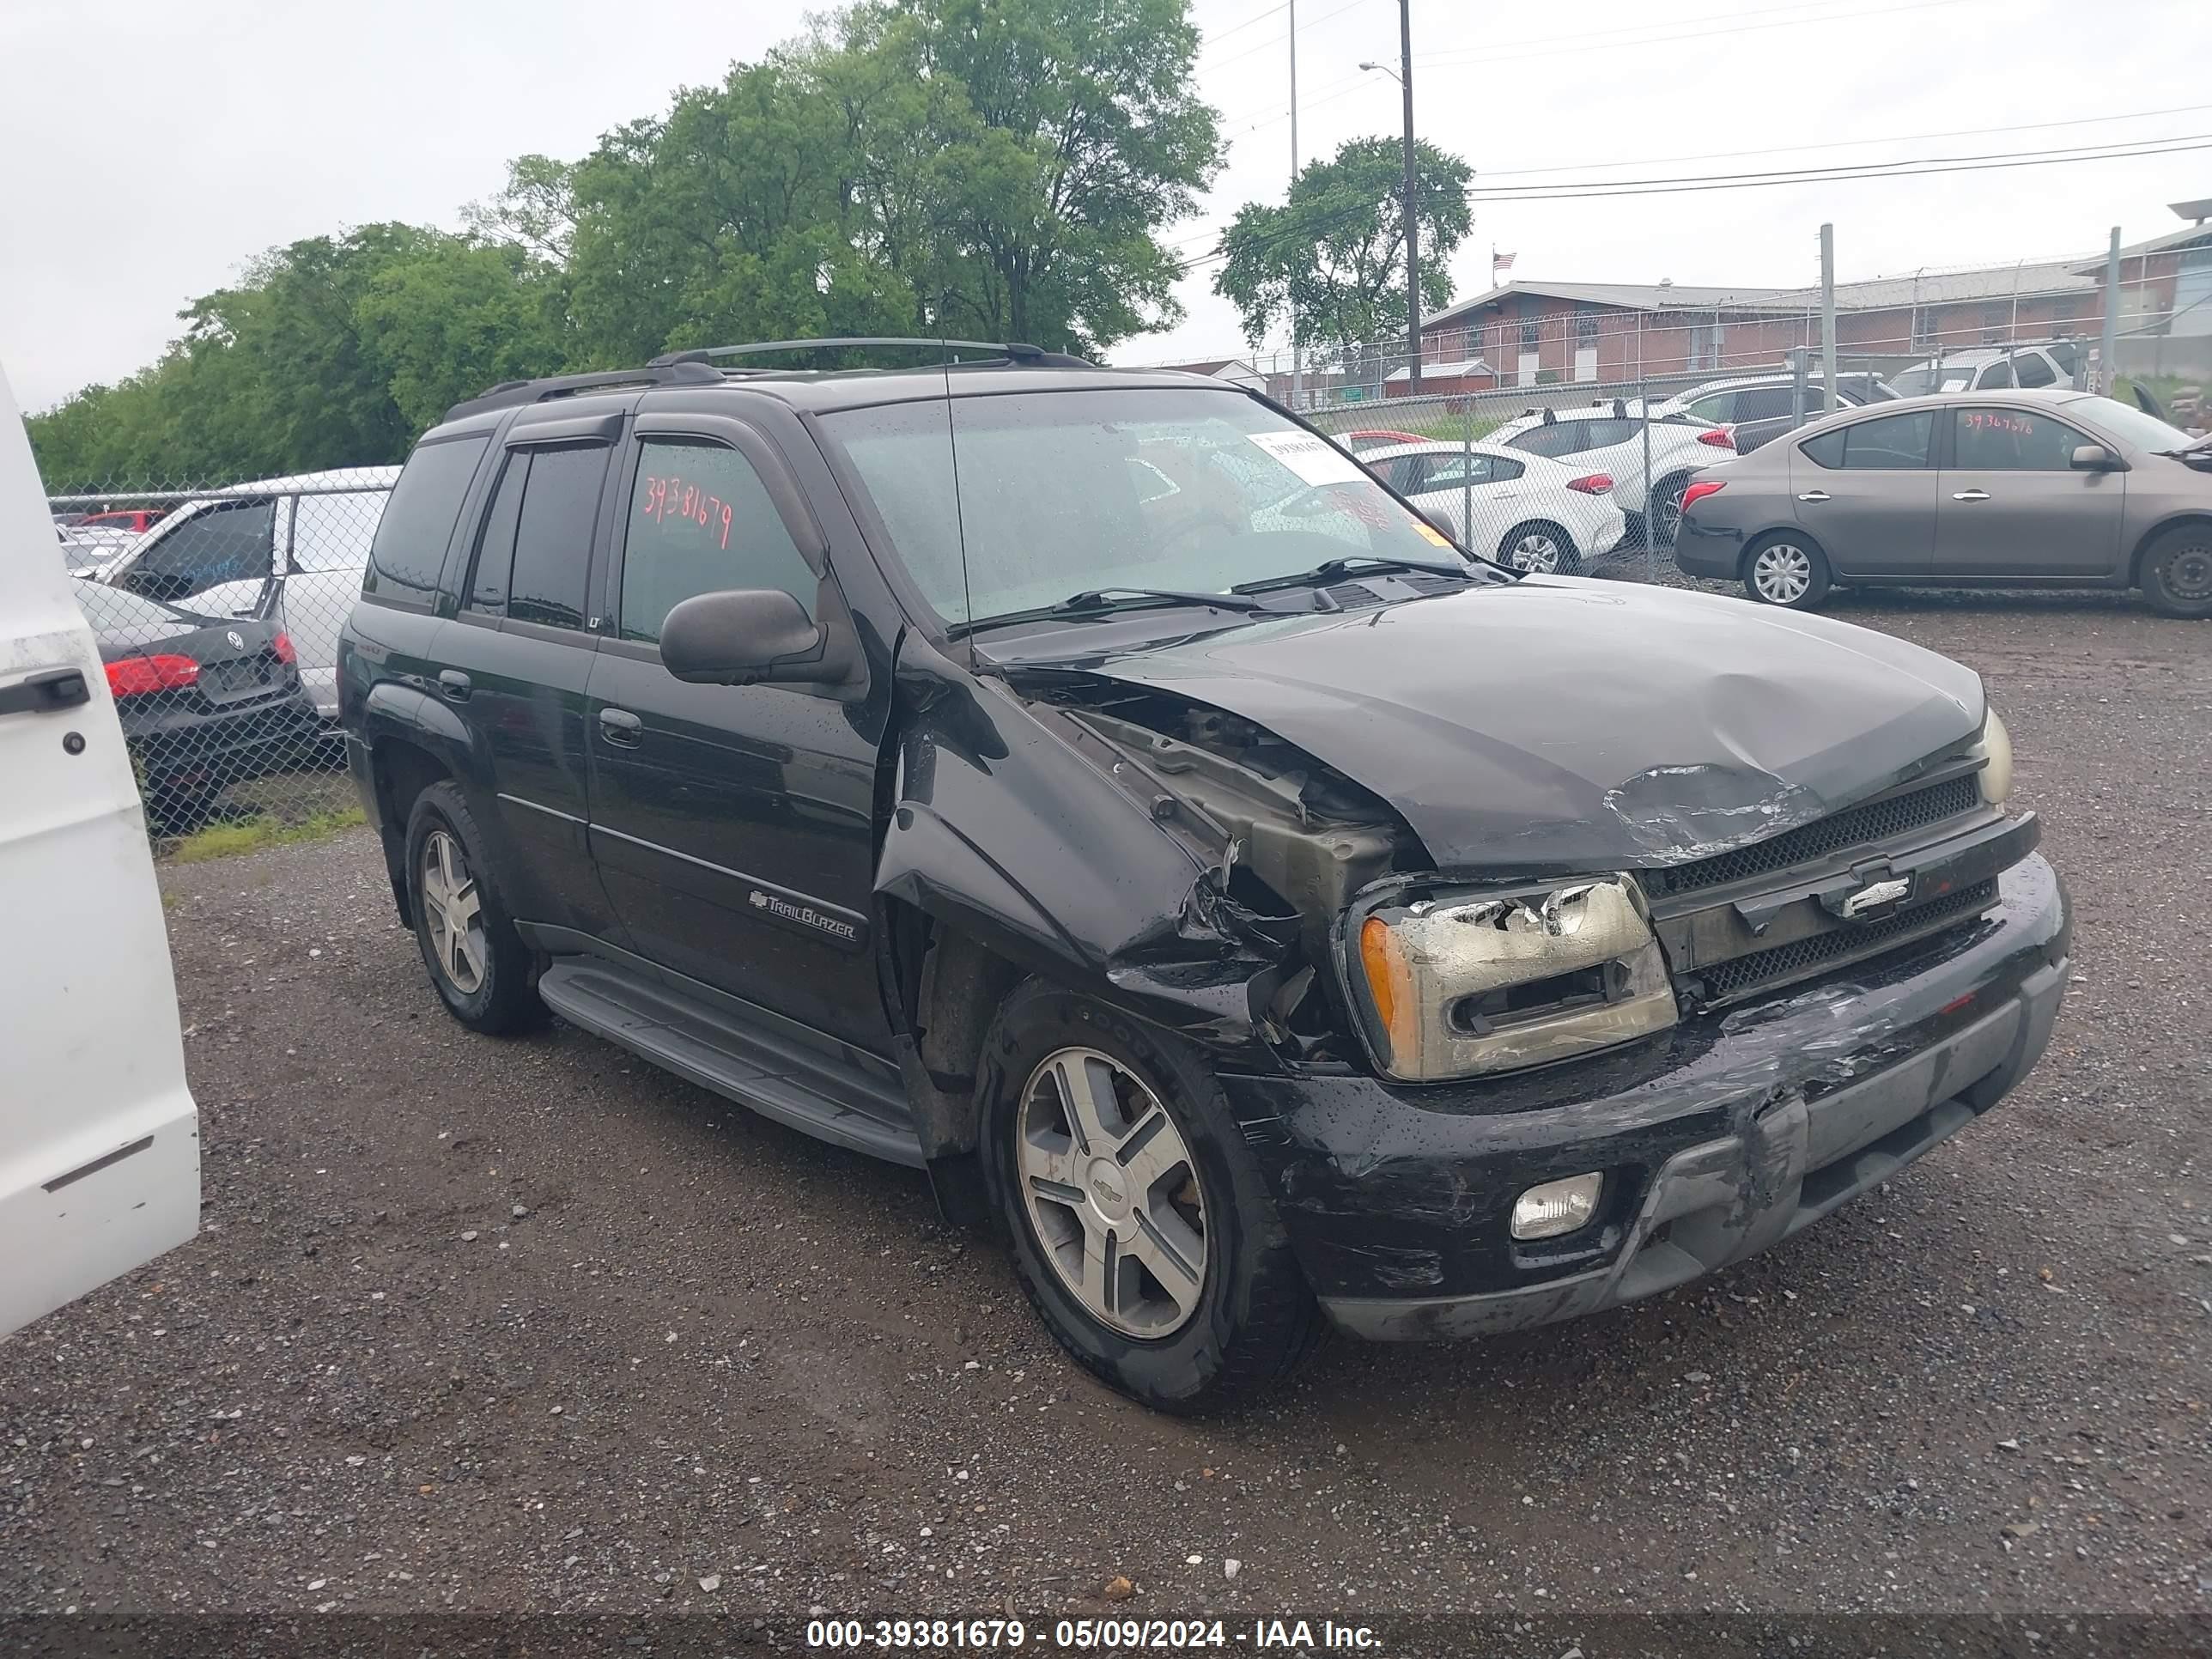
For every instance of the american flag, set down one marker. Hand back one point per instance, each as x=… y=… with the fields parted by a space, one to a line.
x=1499 y=261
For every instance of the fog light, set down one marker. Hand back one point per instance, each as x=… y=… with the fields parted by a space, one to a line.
x=1556 y=1206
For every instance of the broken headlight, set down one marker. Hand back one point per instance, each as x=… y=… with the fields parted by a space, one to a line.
x=1996 y=752
x=1470 y=985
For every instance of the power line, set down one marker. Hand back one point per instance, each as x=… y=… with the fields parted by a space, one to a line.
x=2119 y=150
x=1260 y=16
x=1848 y=144
x=1273 y=40
x=1309 y=229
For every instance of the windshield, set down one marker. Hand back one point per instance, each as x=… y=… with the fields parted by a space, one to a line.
x=2132 y=426
x=1051 y=494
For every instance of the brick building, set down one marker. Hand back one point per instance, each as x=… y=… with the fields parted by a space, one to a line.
x=1535 y=332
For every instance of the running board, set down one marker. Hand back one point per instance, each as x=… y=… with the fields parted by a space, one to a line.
x=815 y=1092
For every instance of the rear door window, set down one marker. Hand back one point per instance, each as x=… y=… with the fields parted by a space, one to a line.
x=553 y=535
x=333 y=532
x=2031 y=369
x=1767 y=402
x=700 y=521
x=409 y=551
x=495 y=554
x=1717 y=407
x=1894 y=443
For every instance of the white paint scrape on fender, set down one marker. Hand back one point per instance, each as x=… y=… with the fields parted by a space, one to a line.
x=98 y=1136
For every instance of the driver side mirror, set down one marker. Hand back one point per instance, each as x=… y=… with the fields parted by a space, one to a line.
x=2094 y=458
x=745 y=636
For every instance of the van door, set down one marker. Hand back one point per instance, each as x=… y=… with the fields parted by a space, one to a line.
x=99 y=1136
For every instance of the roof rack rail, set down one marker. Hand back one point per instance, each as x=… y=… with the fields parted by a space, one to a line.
x=508 y=393
x=1011 y=351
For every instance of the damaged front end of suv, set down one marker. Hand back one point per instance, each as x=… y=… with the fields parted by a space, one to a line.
x=1532 y=990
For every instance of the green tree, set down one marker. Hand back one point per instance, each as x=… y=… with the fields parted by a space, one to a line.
x=1332 y=258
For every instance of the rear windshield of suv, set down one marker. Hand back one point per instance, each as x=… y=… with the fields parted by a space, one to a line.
x=1052 y=494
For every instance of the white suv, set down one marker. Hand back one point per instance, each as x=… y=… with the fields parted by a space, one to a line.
x=99 y=1136
x=1993 y=368
x=1608 y=438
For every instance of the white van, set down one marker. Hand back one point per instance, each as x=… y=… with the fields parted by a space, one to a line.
x=287 y=550
x=99 y=1165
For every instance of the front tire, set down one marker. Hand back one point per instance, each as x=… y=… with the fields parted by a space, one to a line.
x=1540 y=548
x=481 y=970
x=1141 y=1228
x=2177 y=573
x=1786 y=569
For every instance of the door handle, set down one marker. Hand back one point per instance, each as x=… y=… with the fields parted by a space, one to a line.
x=47 y=688
x=455 y=684
x=1813 y=495
x=620 y=726
x=1970 y=495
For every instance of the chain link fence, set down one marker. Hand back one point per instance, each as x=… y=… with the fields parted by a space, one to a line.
x=216 y=612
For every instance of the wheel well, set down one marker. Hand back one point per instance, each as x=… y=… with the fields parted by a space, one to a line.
x=403 y=771
x=1552 y=524
x=2136 y=559
x=943 y=988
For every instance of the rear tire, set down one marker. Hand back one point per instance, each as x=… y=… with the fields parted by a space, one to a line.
x=481 y=970
x=1540 y=548
x=1664 y=525
x=1162 y=1178
x=2177 y=573
x=1786 y=569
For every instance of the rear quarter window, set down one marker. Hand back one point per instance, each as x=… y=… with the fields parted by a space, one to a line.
x=410 y=549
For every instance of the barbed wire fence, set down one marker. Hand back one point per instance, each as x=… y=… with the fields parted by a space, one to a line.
x=218 y=603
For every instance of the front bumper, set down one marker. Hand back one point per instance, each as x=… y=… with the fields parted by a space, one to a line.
x=1718 y=1139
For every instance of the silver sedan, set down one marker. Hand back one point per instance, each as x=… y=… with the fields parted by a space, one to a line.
x=2014 y=489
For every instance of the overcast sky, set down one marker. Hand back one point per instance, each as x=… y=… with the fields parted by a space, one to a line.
x=153 y=146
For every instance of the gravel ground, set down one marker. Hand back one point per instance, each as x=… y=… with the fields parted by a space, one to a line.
x=528 y=1326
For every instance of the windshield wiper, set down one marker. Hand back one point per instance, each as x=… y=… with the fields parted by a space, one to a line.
x=1107 y=601
x=1331 y=570
x=1121 y=598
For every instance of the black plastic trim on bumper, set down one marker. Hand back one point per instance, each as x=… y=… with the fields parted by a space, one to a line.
x=1398 y=1196
x=1733 y=1197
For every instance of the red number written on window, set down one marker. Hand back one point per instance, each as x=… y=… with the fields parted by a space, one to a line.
x=669 y=498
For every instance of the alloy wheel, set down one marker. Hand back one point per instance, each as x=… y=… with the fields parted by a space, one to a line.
x=454 y=909
x=1782 y=573
x=1112 y=1193
x=1534 y=552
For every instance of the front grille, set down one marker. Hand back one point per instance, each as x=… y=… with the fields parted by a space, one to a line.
x=1854 y=826
x=1802 y=956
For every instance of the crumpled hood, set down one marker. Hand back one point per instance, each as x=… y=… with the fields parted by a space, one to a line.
x=1562 y=723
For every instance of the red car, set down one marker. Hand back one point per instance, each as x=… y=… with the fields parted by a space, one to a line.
x=137 y=520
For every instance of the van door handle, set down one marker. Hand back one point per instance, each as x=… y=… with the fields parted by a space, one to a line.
x=621 y=727
x=47 y=688
x=1970 y=495
x=1813 y=495
x=455 y=684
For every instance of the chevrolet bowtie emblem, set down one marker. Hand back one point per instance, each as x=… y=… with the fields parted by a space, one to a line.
x=1874 y=896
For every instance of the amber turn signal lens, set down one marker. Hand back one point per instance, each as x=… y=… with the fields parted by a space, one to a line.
x=1389 y=978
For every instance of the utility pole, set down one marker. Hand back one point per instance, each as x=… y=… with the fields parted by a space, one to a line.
x=1412 y=223
x=1297 y=345
x=1828 y=316
x=2109 y=342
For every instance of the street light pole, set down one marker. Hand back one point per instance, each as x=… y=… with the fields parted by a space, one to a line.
x=1412 y=223
x=1297 y=343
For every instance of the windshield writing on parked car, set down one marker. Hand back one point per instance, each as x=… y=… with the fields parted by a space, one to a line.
x=1018 y=502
